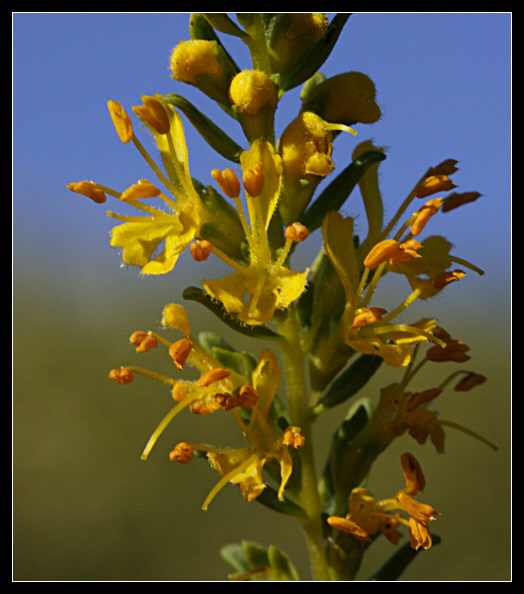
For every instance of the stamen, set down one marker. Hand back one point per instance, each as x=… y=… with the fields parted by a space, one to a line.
x=200 y=250
x=253 y=180
x=228 y=182
x=182 y=453
x=121 y=121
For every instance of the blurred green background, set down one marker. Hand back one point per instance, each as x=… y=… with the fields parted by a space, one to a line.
x=84 y=506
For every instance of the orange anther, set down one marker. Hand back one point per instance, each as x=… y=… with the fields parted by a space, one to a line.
x=143 y=341
x=293 y=437
x=179 y=352
x=296 y=232
x=200 y=250
x=433 y=184
x=213 y=375
x=253 y=180
x=182 y=453
x=154 y=114
x=228 y=182
x=367 y=315
x=123 y=375
x=89 y=189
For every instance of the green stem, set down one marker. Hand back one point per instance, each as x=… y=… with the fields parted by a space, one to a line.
x=300 y=412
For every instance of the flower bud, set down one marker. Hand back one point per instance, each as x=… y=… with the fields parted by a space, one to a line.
x=292 y=34
x=175 y=316
x=205 y=65
x=346 y=98
x=254 y=97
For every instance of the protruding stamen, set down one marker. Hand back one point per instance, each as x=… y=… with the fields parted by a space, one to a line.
x=432 y=184
x=422 y=216
x=121 y=121
x=142 y=189
x=121 y=375
x=143 y=341
x=297 y=232
x=182 y=453
x=89 y=189
x=413 y=474
x=213 y=375
x=200 y=250
x=179 y=351
x=293 y=437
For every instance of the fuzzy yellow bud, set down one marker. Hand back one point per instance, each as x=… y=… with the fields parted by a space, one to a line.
x=175 y=316
x=252 y=90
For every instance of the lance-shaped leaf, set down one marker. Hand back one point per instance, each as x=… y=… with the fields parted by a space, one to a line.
x=316 y=55
x=397 y=564
x=337 y=192
x=349 y=382
x=200 y=296
x=355 y=421
x=216 y=138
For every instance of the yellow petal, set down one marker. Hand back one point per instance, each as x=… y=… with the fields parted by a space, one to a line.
x=337 y=232
x=263 y=152
x=266 y=378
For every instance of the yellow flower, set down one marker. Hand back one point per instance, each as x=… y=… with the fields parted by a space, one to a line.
x=367 y=329
x=244 y=466
x=255 y=291
x=367 y=516
x=155 y=239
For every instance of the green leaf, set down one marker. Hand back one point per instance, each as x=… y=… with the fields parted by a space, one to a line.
x=210 y=132
x=200 y=296
x=337 y=192
x=269 y=498
x=234 y=555
x=255 y=554
x=397 y=564
x=283 y=569
x=356 y=419
x=348 y=382
x=316 y=55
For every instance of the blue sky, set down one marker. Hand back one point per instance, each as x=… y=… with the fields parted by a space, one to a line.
x=443 y=83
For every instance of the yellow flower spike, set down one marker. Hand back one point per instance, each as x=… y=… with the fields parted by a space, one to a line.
x=89 y=189
x=140 y=190
x=154 y=114
x=432 y=184
x=121 y=121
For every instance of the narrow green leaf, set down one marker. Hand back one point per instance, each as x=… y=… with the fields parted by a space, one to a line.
x=397 y=564
x=200 y=296
x=234 y=555
x=216 y=138
x=281 y=566
x=269 y=498
x=337 y=192
x=348 y=382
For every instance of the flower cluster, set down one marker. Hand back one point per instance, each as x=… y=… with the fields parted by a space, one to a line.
x=323 y=329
